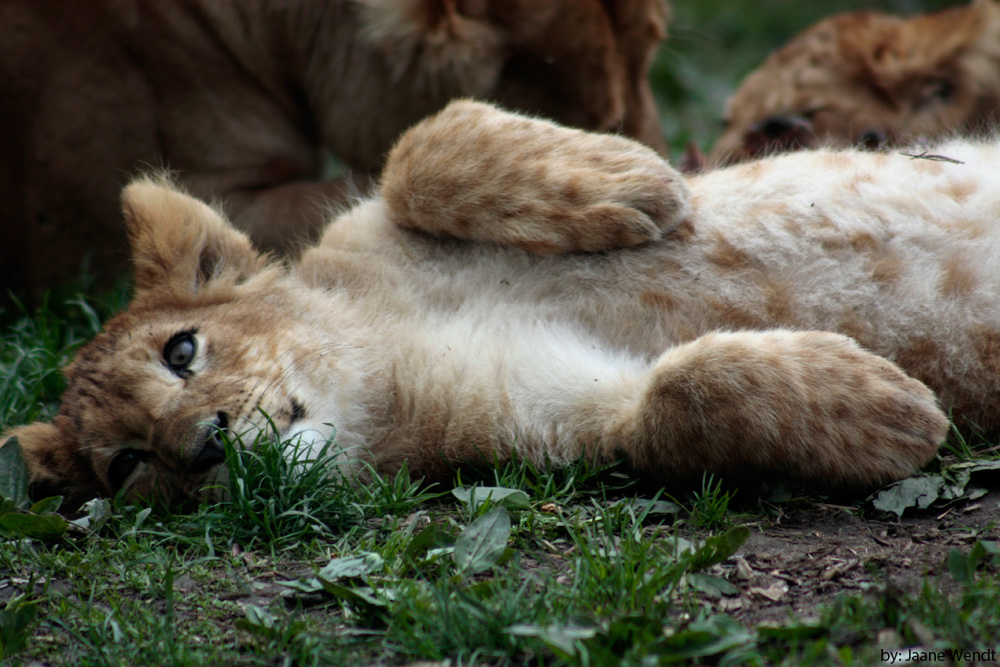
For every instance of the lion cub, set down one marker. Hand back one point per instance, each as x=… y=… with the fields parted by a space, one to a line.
x=518 y=286
x=872 y=79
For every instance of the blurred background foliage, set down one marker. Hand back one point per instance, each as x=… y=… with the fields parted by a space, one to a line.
x=714 y=44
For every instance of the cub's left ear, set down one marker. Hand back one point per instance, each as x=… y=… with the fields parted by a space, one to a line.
x=894 y=54
x=180 y=243
x=56 y=466
x=936 y=37
x=425 y=38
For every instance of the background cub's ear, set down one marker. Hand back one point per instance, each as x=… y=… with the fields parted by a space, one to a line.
x=892 y=53
x=180 y=243
x=56 y=467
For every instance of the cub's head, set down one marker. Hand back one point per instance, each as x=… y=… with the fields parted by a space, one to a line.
x=869 y=79
x=208 y=343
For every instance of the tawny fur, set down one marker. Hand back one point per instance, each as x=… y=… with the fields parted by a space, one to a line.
x=245 y=100
x=871 y=79
x=789 y=320
x=530 y=185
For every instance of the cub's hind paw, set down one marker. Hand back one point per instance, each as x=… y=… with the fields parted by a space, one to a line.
x=478 y=173
x=811 y=405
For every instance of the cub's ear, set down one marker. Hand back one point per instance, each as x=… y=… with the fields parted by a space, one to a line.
x=180 y=243
x=56 y=466
x=894 y=53
x=430 y=39
x=947 y=34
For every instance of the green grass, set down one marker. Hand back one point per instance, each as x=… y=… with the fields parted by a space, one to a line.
x=601 y=582
x=507 y=565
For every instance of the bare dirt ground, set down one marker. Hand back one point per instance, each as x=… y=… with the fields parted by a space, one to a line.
x=808 y=557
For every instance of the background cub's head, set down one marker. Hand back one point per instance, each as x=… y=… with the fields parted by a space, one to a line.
x=869 y=79
x=196 y=354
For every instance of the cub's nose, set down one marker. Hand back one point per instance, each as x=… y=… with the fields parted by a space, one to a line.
x=213 y=451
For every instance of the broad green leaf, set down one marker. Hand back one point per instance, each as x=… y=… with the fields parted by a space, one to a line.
x=16 y=623
x=954 y=488
x=421 y=543
x=141 y=517
x=922 y=492
x=339 y=568
x=962 y=566
x=711 y=636
x=717 y=549
x=417 y=553
x=976 y=466
x=483 y=542
x=975 y=493
x=259 y=617
x=710 y=585
x=98 y=511
x=560 y=638
x=917 y=492
x=356 y=596
x=310 y=585
x=434 y=554
x=30 y=525
x=13 y=474
x=46 y=505
x=258 y=621
x=513 y=499
x=355 y=566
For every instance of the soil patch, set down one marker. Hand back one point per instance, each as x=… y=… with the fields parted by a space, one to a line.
x=810 y=556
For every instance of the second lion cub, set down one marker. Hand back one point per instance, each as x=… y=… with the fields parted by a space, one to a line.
x=518 y=286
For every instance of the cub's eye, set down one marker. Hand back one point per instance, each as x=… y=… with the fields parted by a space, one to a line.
x=942 y=89
x=122 y=466
x=179 y=353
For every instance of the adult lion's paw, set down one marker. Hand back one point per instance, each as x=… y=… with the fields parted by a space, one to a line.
x=812 y=404
x=478 y=173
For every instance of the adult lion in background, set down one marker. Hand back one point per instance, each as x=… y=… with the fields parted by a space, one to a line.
x=243 y=99
x=872 y=79
x=520 y=286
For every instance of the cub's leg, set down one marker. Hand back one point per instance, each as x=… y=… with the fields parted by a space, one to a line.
x=810 y=405
x=477 y=173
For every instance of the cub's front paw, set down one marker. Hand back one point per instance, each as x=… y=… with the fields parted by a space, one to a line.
x=478 y=173
x=811 y=405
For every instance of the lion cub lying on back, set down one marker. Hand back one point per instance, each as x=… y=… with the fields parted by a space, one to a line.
x=518 y=286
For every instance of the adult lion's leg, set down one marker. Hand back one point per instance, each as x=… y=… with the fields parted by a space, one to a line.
x=812 y=406
x=478 y=173
x=290 y=217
